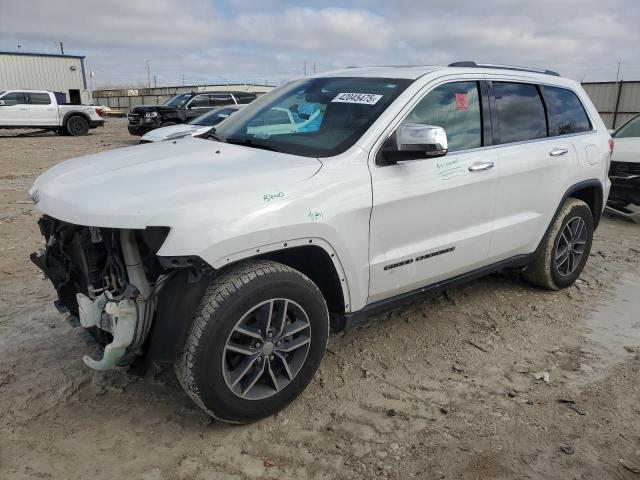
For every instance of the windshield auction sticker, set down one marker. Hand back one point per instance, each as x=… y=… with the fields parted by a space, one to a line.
x=362 y=98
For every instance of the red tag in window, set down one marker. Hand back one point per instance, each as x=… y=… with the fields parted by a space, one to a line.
x=462 y=102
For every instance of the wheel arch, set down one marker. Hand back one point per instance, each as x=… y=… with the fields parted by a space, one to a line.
x=589 y=191
x=74 y=113
x=183 y=293
x=314 y=257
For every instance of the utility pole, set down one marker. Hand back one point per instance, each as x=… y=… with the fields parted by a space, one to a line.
x=155 y=83
x=60 y=45
x=148 y=72
x=314 y=68
x=618 y=74
x=183 y=79
x=19 y=48
x=305 y=68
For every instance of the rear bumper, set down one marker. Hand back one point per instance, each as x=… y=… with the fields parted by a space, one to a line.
x=96 y=123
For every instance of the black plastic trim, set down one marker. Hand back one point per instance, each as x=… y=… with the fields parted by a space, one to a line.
x=177 y=305
x=599 y=206
x=356 y=318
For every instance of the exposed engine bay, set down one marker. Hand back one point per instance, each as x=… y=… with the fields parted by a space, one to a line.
x=109 y=279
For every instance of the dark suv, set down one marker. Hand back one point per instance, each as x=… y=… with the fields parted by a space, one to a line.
x=181 y=109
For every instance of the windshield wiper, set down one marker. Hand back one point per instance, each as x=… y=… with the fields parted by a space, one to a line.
x=248 y=142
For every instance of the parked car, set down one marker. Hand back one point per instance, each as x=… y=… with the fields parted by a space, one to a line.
x=40 y=109
x=231 y=257
x=181 y=109
x=197 y=127
x=625 y=167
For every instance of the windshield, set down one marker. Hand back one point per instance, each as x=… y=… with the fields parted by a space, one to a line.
x=178 y=100
x=315 y=117
x=629 y=129
x=210 y=119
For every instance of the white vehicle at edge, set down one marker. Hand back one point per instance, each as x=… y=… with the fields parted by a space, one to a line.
x=625 y=168
x=231 y=257
x=40 y=109
x=201 y=125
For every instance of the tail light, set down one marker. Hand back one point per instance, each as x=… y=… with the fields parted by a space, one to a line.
x=612 y=144
x=100 y=112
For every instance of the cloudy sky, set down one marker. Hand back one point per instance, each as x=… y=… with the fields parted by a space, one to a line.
x=211 y=41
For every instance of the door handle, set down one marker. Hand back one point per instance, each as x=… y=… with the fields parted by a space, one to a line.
x=556 y=152
x=480 y=166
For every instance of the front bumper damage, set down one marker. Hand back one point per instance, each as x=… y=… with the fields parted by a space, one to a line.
x=625 y=188
x=100 y=278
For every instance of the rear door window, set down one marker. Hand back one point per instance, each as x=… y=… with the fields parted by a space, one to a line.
x=566 y=113
x=220 y=100
x=39 y=99
x=521 y=114
x=244 y=99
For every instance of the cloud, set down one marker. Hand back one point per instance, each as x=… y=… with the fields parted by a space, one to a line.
x=269 y=40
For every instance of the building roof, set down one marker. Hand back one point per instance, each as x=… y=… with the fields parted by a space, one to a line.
x=34 y=54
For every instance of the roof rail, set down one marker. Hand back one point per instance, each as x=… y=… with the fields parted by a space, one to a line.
x=503 y=67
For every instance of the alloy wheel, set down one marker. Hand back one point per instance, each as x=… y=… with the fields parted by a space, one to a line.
x=266 y=349
x=571 y=246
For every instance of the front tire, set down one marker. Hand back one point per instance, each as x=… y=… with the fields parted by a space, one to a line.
x=565 y=248
x=257 y=339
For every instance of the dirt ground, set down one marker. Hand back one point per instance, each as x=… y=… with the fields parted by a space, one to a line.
x=443 y=388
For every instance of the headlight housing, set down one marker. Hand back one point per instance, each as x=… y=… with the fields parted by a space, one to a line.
x=150 y=114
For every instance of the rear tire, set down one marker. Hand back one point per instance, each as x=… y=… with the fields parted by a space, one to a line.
x=77 y=125
x=257 y=339
x=565 y=248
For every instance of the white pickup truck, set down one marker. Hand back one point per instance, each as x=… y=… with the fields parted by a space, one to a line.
x=40 y=109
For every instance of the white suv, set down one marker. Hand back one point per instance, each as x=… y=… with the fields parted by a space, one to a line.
x=232 y=257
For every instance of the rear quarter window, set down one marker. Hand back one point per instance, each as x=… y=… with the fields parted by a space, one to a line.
x=566 y=112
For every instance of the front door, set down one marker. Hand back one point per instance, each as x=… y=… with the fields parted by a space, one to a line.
x=432 y=218
x=15 y=111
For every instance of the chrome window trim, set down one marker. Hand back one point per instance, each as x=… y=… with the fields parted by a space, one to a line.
x=376 y=149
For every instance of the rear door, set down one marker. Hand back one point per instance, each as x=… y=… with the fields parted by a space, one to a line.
x=533 y=168
x=42 y=109
x=15 y=111
x=432 y=218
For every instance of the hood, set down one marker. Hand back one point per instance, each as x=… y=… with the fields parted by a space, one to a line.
x=152 y=108
x=626 y=149
x=146 y=185
x=174 y=131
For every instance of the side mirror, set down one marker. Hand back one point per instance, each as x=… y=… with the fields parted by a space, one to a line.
x=427 y=139
x=415 y=141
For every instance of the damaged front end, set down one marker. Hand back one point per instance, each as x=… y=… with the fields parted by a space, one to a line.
x=110 y=279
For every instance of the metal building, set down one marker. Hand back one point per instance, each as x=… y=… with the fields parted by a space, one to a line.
x=63 y=74
x=616 y=102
